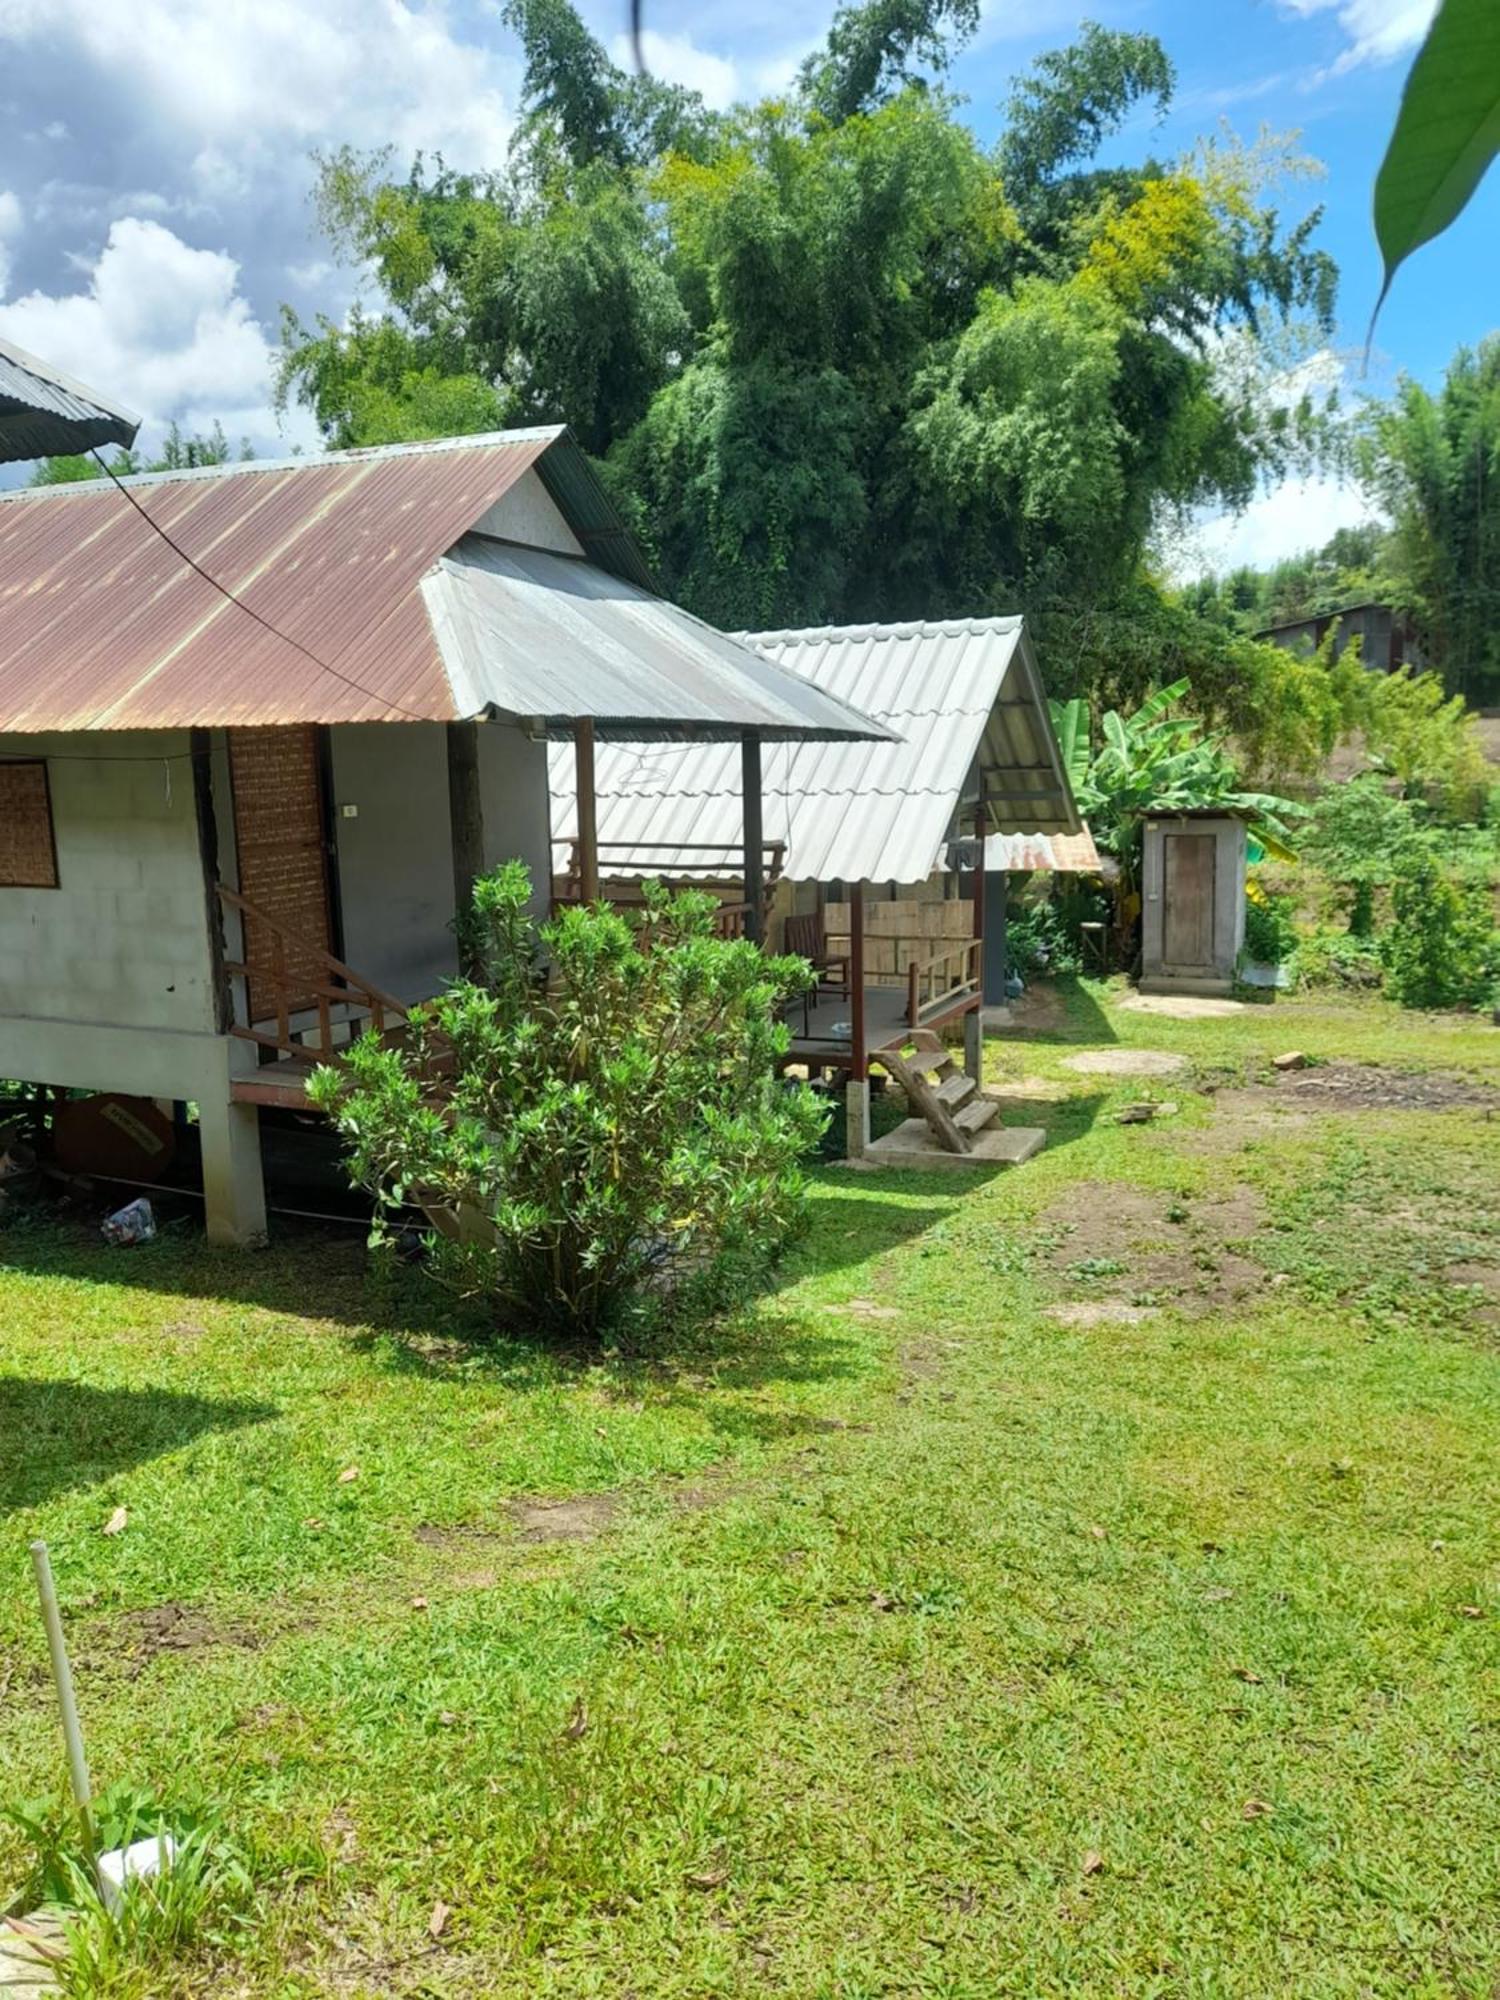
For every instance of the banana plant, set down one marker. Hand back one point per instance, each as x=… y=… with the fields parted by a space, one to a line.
x=1155 y=760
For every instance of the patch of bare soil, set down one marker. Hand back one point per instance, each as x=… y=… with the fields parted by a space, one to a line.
x=1125 y=1062
x=1244 y=1117
x=1481 y=1277
x=1125 y=1252
x=1180 y=1006
x=1021 y=1091
x=579 y=1519
x=178 y=1628
x=1365 y=1086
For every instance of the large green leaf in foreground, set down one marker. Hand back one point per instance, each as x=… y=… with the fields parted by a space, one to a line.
x=1447 y=131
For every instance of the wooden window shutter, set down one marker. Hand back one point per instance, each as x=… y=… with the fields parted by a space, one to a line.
x=28 y=853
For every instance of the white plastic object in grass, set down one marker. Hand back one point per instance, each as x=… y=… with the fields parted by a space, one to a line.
x=136 y=1863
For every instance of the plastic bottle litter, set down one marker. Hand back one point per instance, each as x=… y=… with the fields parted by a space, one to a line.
x=134 y=1223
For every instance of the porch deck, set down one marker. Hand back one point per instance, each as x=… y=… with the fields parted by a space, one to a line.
x=887 y=1023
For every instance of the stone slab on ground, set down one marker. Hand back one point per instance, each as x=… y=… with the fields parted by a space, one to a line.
x=1101 y=1312
x=1125 y=1062
x=1180 y=1006
x=27 y=1970
x=913 y=1145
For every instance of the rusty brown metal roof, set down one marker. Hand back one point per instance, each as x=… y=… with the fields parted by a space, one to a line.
x=103 y=625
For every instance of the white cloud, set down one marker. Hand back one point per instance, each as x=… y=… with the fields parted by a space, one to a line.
x=1377 y=31
x=1299 y=514
x=242 y=81
x=161 y=326
x=10 y=228
x=678 y=59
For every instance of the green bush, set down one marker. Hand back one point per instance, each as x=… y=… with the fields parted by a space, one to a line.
x=597 y=1118
x=1039 y=941
x=1442 y=949
x=1338 y=958
x=1270 y=929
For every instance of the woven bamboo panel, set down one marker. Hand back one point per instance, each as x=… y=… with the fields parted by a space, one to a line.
x=28 y=859
x=896 y=933
x=278 y=816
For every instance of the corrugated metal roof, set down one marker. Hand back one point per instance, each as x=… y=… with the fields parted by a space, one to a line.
x=526 y=632
x=103 y=625
x=961 y=695
x=1042 y=853
x=43 y=411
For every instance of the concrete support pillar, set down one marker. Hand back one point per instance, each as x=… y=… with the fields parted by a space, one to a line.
x=234 y=1188
x=857 y=1118
x=974 y=1044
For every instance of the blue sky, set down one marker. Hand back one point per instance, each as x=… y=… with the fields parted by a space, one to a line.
x=155 y=169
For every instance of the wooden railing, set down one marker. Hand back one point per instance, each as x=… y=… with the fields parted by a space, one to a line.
x=942 y=980
x=362 y=1005
x=715 y=867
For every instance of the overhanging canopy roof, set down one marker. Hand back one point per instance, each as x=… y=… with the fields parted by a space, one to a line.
x=355 y=614
x=965 y=702
x=43 y=411
x=528 y=633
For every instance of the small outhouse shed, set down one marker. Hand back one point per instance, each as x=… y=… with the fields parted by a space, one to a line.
x=1192 y=902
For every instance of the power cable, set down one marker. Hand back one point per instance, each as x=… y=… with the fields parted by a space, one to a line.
x=224 y=591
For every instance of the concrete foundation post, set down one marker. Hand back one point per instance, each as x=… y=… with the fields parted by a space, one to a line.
x=974 y=1044
x=234 y=1188
x=857 y=1118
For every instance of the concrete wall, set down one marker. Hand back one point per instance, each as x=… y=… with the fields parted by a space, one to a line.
x=123 y=940
x=395 y=857
x=1229 y=904
x=528 y=513
x=517 y=805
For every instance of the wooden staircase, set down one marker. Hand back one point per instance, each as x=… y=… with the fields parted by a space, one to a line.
x=939 y=1090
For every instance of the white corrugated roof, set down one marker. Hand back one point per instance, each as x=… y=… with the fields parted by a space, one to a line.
x=526 y=632
x=961 y=695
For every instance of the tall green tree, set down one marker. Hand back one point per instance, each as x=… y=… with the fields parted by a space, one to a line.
x=839 y=360
x=1432 y=463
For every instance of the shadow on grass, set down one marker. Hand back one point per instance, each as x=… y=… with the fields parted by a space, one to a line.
x=1058 y=1011
x=409 y=1325
x=57 y=1435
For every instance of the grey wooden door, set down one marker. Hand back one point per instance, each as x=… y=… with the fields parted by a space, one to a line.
x=1188 y=902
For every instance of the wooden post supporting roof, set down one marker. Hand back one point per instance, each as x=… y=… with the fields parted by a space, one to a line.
x=588 y=815
x=981 y=817
x=860 y=1067
x=466 y=823
x=754 y=837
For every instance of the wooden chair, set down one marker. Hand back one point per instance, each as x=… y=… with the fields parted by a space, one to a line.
x=805 y=937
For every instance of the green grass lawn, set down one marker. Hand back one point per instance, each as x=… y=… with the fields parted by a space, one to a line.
x=1078 y=1581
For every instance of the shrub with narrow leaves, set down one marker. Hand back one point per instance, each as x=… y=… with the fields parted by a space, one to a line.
x=596 y=1118
x=1442 y=949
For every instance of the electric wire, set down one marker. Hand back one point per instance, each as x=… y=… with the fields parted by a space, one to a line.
x=224 y=591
